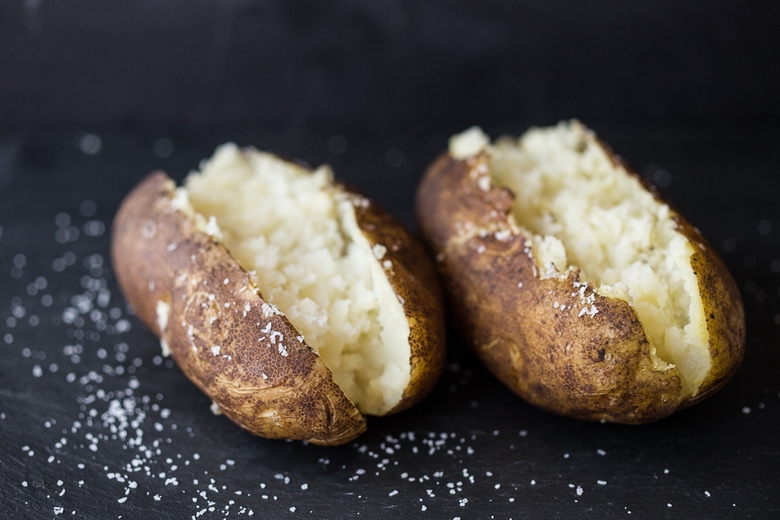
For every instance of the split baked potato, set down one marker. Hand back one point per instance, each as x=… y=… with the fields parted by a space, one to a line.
x=297 y=305
x=573 y=281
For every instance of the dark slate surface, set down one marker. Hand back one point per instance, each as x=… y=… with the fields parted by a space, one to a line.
x=95 y=424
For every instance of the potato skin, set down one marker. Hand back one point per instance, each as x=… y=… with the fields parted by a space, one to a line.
x=218 y=327
x=529 y=332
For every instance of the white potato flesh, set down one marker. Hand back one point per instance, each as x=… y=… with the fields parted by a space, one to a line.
x=299 y=235
x=585 y=212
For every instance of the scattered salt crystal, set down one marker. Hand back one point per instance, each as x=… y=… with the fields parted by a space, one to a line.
x=379 y=251
x=502 y=235
x=269 y=310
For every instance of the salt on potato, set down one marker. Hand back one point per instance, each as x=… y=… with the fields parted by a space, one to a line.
x=300 y=238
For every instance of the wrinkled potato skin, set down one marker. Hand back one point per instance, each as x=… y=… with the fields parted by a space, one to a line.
x=299 y=400
x=159 y=254
x=593 y=368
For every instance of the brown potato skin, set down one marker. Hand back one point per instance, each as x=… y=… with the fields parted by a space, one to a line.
x=590 y=367
x=159 y=254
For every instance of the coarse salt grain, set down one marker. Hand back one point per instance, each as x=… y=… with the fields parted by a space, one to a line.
x=379 y=251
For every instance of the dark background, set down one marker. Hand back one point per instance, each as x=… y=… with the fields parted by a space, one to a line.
x=93 y=95
x=387 y=64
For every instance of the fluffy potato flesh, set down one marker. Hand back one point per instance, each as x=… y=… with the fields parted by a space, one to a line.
x=584 y=212
x=298 y=236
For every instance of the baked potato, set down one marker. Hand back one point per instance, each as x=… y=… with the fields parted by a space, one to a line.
x=574 y=282
x=297 y=305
